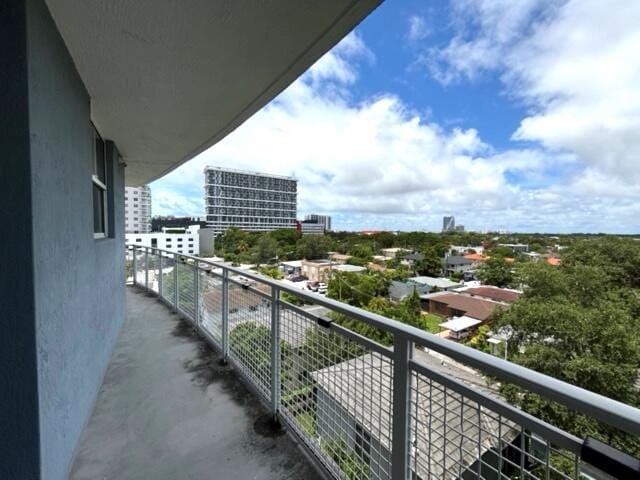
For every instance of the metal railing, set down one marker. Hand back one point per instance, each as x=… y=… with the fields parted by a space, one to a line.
x=423 y=408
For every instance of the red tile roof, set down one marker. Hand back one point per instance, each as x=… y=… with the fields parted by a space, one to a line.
x=476 y=257
x=494 y=293
x=553 y=261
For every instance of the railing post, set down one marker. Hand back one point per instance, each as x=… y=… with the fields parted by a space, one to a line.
x=275 y=351
x=160 y=273
x=135 y=266
x=146 y=268
x=225 y=315
x=196 y=293
x=175 y=280
x=402 y=351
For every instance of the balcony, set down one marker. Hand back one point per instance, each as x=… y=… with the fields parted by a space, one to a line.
x=167 y=409
x=424 y=408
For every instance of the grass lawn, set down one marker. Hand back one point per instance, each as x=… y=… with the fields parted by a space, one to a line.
x=431 y=322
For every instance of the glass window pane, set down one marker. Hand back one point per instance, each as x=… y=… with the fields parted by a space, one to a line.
x=101 y=171
x=98 y=209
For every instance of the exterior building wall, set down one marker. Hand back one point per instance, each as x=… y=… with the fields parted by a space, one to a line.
x=206 y=239
x=324 y=220
x=187 y=243
x=63 y=305
x=308 y=228
x=158 y=223
x=137 y=209
x=249 y=201
x=316 y=271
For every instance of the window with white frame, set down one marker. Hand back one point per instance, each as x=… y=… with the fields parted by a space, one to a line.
x=99 y=185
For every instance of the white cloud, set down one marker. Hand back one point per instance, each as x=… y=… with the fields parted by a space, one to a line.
x=418 y=28
x=484 y=28
x=379 y=164
x=580 y=71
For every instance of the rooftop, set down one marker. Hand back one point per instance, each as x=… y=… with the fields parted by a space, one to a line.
x=494 y=293
x=460 y=323
x=248 y=172
x=434 y=282
x=472 y=306
x=457 y=260
x=372 y=409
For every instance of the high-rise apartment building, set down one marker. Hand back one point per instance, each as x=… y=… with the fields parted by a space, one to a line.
x=137 y=209
x=321 y=219
x=248 y=200
x=448 y=224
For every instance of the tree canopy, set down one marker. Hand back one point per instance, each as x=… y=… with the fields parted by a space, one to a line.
x=578 y=323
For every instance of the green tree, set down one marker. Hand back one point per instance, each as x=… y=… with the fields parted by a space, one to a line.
x=496 y=271
x=265 y=250
x=362 y=251
x=431 y=264
x=358 y=288
x=573 y=323
x=312 y=247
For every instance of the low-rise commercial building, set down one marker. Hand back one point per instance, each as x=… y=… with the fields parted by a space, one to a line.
x=310 y=227
x=179 y=240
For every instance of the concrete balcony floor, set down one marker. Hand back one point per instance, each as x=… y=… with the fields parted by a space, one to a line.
x=168 y=410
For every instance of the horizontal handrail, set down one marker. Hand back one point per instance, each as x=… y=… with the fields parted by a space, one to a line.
x=609 y=411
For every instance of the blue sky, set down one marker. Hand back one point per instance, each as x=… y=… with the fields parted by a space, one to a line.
x=523 y=116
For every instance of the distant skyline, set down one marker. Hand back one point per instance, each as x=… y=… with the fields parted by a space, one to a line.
x=519 y=116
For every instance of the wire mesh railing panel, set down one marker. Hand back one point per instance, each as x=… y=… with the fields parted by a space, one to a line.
x=336 y=394
x=140 y=266
x=168 y=279
x=250 y=335
x=455 y=437
x=210 y=304
x=154 y=272
x=128 y=266
x=187 y=289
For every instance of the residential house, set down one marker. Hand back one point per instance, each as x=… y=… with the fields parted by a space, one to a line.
x=400 y=290
x=412 y=258
x=450 y=305
x=456 y=264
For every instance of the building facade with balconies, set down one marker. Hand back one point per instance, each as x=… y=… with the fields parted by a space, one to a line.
x=137 y=209
x=255 y=202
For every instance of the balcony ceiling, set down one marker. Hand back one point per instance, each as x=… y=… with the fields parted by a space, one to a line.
x=170 y=78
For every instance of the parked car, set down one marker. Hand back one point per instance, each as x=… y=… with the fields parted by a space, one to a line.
x=322 y=288
x=313 y=286
x=298 y=278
